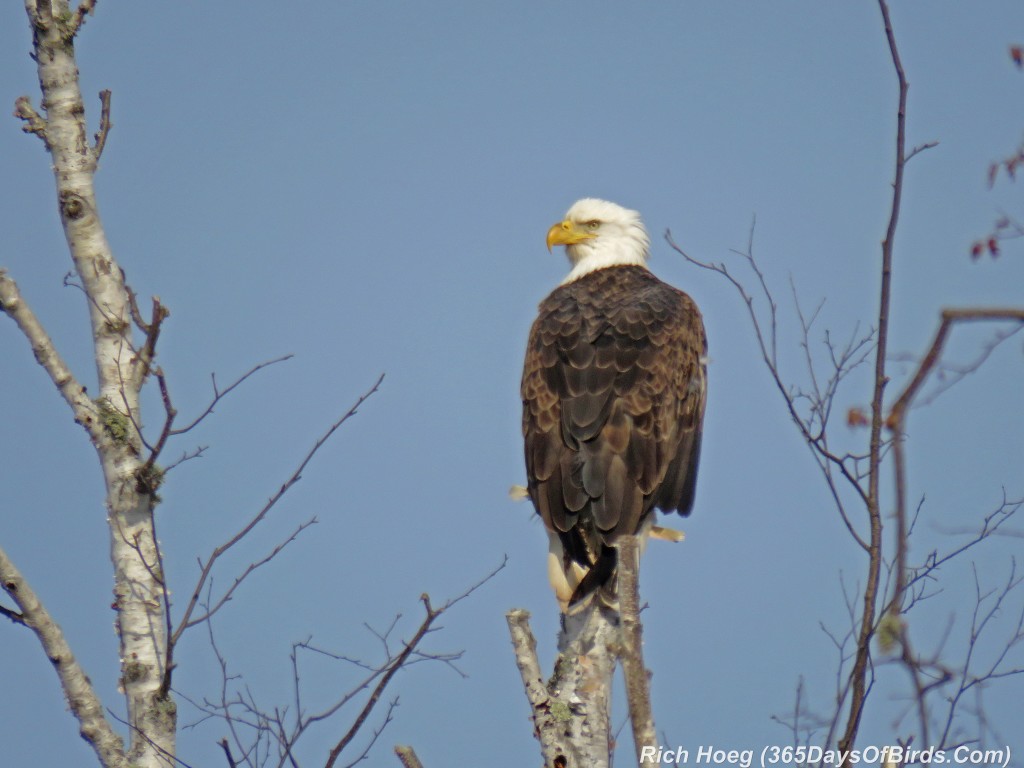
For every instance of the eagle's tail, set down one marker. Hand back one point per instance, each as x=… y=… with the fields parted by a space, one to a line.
x=579 y=574
x=599 y=582
x=581 y=570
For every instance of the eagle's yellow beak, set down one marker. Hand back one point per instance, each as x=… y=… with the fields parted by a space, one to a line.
x=567 y=233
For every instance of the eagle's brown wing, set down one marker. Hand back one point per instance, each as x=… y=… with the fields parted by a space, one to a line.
x=613 y=398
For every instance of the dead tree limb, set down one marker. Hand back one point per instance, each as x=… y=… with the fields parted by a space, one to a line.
x=638 y=684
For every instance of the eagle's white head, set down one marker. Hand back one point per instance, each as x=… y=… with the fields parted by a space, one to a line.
x=598 y=234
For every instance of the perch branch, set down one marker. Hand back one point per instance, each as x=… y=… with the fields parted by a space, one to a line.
x=638 y=688
x=545 y=709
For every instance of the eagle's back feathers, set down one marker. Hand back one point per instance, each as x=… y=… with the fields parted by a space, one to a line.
x=613 y=399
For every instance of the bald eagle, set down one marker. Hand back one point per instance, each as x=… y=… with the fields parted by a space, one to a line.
x=613 y=390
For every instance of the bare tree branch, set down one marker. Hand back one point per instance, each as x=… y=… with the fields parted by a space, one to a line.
x=196 y=453
x=284 y=727
x=919 y=149
x=948 y=318
x=638 y=688
x=408 y=757
x=14 y=616
x=227 y=753
x=81 y=697
x=218 y=394
x=187 y=620
x=862 y=660
x=880 y=606
x=950 y=374
x=34 y=123
x=897 y=421
x=547 y=711
x=46 y=355
x=432 y=614
x=105 y=122
x=230 y=591
x=388 y=717
x=766 y=334
x=85 y=8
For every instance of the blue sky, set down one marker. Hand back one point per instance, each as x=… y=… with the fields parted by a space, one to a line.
x=367 y=186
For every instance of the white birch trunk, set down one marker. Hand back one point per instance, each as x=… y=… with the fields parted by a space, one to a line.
x=572 y=709
x=587 y=655
x=112 y=419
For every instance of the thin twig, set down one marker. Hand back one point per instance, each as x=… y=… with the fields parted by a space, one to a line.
x=952 y=374
x=207 y=567
x=286 y=726
x=186 y=456
x=897 y=419
x=432 y=615
x=218 y=394
x=166 y=755
x=388 y=718
x=226 y=597
x=897 y=422
x=768 y=349
x=920 y=148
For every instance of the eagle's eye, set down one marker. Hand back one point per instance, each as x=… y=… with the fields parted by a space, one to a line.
x=592 y=225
